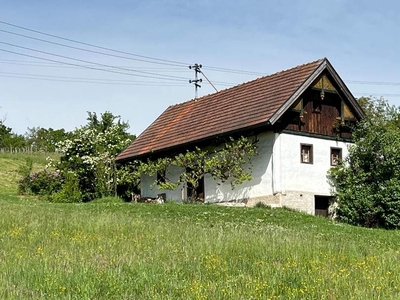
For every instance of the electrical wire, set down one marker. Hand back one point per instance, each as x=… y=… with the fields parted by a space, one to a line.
x=158 y=60
x=377 y=94
x=89 y=62
x=86 y=50
x=373 y=82
x=86 y=79
x=82 y=78
x=95 y=82
x=95 y=46
x=88 y=67
x=146 y=59
x=234 y=71
x=208 y=80
x=57 y=65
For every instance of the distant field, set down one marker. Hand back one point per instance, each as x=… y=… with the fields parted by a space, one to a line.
x=115 y=250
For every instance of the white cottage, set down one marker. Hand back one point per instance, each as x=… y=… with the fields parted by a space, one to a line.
x=301 y=118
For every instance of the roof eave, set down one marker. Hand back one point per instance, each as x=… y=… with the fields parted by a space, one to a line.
x=254 y=127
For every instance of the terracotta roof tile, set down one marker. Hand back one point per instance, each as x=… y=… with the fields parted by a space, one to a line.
x=241 y=106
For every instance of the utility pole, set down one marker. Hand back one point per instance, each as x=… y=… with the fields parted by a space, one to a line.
x=196 y=68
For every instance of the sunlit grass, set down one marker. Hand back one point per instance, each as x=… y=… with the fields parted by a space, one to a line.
x=142 y=251
x=109 y=249
x=10 y=164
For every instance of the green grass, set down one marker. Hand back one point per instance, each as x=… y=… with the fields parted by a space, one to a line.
x=116 y=250
x=9 y=165
x=179 y=251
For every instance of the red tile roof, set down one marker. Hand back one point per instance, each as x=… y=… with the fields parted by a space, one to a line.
x=241 y=106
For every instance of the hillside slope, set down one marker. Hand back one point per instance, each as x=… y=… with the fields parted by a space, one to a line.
x=9 y=165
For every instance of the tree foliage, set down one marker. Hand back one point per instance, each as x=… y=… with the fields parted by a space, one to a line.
x=10 y=139
x=90 y=152
x=42 y=139
x=232 y=162
x=367 y=183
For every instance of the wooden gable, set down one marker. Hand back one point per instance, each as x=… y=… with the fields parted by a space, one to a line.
x=322 y=109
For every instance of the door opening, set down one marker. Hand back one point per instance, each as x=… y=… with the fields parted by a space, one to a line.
x=198 y=193
x=322 y=205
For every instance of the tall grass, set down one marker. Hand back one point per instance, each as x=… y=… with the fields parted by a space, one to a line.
x=117 y=250
x=10 y=163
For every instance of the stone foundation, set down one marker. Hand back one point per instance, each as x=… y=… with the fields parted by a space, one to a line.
x=301 y=201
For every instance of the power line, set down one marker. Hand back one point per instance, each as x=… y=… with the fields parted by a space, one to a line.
x=88 y=67
x=94 y=46
x=373 y=82
x=93 y=63
x=234 y=71
x=86 y=50
x=377 y=94
x=177 y=63
x=96 y=82
x=57 y=65
x=208 y=80
x=83 y=78
x=167 y=69
x=106 y=81
x=147 y=59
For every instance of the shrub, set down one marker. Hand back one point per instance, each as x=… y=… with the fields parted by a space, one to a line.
x=367 y=183
x=90 y=153
x=40 y=183
x=70 y=192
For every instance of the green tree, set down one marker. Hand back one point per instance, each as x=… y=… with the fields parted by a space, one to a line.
x=5 y=134
x=43 y=139
x=9 y=139
x=367 y=183
x=90 y=152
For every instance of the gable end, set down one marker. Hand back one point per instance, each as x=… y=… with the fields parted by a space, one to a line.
x=325 y=65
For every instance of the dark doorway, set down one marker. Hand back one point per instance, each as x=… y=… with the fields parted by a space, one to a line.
x=322 y=205
x=197 y=193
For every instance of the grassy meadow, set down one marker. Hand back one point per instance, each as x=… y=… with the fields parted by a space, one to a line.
x=114 y=250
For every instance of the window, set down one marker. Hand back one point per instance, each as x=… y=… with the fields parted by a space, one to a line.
x=336 y=156
x=306 y=153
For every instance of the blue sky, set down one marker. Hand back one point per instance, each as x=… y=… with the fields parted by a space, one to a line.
x=359 y=38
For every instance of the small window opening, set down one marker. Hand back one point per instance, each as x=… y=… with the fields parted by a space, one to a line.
x=306 y=153
x=336 y=156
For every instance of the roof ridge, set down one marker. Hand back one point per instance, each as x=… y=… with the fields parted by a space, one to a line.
x=250 y=81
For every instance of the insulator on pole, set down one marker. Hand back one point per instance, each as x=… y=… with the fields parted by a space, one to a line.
x=196 y=68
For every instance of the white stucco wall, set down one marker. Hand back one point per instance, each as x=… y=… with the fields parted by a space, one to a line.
x=278 y=176
x=297 y=176
x=147 y=190
x=261 y=183
x=300 y=182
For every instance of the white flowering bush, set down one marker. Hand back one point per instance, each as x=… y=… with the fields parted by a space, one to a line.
x=91 y=152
